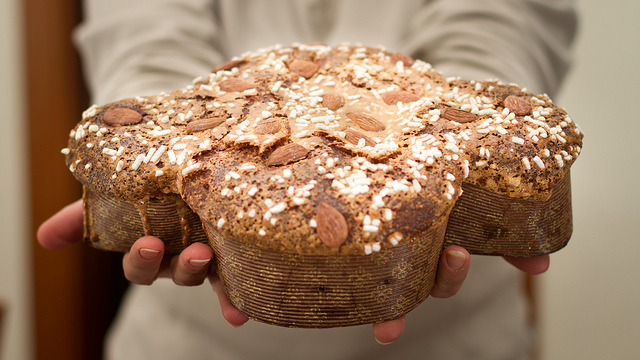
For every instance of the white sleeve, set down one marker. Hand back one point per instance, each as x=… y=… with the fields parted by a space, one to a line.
x=144 y=47
x=526 y=42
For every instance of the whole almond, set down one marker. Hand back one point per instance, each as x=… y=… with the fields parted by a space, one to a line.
x=233 y=85
x=458 y=115
x=406 y=59
x=228 y=65
x=286 y=154
x=204 y=124
x=394 y=97
x=121 y=116
x=518 y=105
x=366 y=122
x=332 y=226
x=354 y=137
x=268 y=126
x=332 y=102
x=303 y=68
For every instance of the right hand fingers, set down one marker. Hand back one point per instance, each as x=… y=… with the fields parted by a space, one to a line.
x=145 y=262
x=533 y=265
x=452 y=270
x=229 y=312
x=62 y=229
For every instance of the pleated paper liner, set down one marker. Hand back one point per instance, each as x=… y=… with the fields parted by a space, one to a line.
x=317 y=291
x=114 y=225
x=487 y=223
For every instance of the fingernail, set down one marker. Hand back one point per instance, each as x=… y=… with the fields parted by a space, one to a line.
x=456 y=259
x=383 y=343
x=149 y=254
x=198 y=263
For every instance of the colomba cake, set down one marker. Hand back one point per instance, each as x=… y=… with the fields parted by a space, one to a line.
x=328 y=179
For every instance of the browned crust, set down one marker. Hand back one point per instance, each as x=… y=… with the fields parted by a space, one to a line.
x=400 y=175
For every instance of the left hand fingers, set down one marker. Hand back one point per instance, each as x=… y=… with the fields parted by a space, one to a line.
x=229 y=312
x=452 y=270
x=389 y=331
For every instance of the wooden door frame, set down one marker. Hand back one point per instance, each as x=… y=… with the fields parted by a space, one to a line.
x=76 y=290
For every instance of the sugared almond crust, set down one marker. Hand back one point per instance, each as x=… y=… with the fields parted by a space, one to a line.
x=270 y=147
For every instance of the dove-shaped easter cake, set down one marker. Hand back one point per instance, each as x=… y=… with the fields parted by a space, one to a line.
x=328 y=179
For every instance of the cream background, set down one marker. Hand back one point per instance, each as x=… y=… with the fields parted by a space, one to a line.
x=14 y=238
x=590 y=296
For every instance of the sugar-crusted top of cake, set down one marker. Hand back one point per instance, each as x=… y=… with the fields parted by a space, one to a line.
x=314 y=148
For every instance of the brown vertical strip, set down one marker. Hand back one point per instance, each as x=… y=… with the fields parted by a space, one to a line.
x=53 y=104
x=75 y=294
x=3 y=310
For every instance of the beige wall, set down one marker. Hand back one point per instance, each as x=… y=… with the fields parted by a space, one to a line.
x=591 y=294
x=14 y=238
